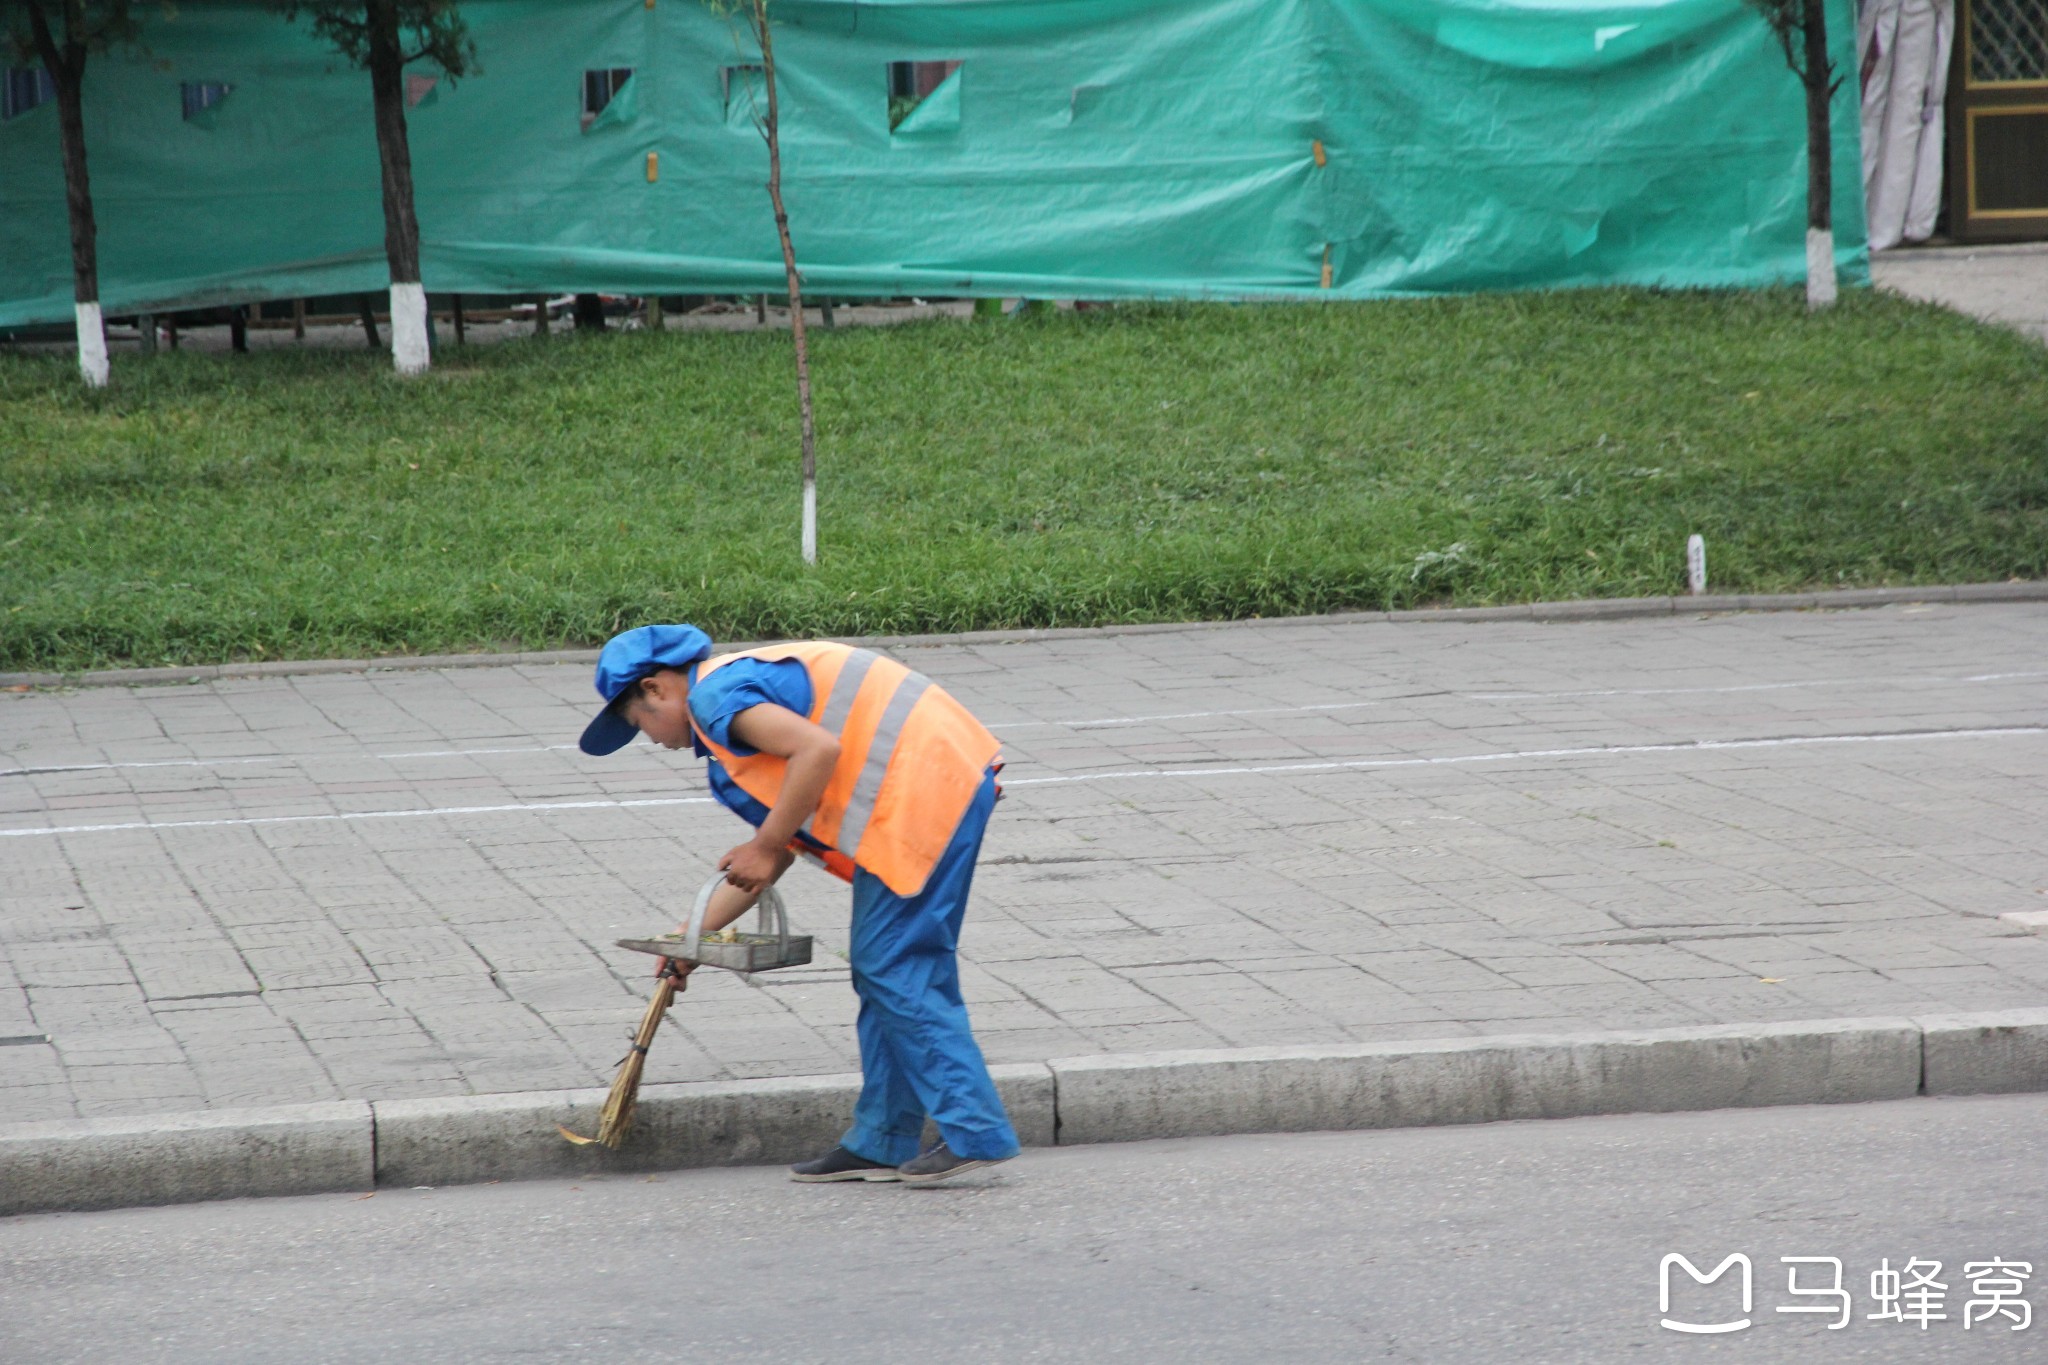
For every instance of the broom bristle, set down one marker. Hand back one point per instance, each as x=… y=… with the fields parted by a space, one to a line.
x=618 y=1106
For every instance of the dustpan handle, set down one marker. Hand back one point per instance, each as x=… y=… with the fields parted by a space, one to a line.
x=769 y=907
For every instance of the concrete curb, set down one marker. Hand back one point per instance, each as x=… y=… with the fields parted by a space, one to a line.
x=1986 y=1054
x=183 y=1158
x=317 y=1148
x=712 y=1123
x=1485 y=1080
x=1595 y=609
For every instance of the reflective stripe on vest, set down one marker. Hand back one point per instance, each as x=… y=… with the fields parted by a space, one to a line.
x=911 y=758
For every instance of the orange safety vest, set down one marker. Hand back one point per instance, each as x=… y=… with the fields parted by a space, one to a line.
x=910 y=759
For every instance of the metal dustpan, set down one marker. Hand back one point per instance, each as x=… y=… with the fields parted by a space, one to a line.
x=769 y=946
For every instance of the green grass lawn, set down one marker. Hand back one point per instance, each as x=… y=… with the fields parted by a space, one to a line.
x=1129 y=465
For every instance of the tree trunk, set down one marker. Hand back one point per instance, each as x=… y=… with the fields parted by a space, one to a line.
x=409 y=350
x=769 y=129
x=1820 y=235
x=66 y=64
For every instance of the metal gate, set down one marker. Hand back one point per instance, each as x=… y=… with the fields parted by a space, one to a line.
x=1998 y=121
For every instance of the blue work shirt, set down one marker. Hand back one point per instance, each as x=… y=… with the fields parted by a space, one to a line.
x=731 y=689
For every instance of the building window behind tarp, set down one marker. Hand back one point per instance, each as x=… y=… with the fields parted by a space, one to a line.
x=599 y=87
x=200 y=96
x=744 y=90
x=912 y=83
x=26 y=87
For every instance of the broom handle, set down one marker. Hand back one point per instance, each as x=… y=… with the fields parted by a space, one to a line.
x=664 y=996
x=618 y=1107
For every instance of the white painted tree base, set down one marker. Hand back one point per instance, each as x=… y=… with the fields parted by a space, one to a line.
x=1820 y=268
x=810 y=523
x=409 y=353
x=92 y=345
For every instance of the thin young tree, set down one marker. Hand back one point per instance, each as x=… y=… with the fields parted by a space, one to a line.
x=1801 y=28
x=60 y=35
x=385 y=37
x=755 y=14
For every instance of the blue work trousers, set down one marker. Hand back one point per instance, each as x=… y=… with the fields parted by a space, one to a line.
x=917 y=1056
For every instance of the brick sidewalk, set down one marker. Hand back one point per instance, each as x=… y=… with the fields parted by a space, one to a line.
x=405 y=883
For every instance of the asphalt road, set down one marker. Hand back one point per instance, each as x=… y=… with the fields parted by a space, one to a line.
x=1510 y=1242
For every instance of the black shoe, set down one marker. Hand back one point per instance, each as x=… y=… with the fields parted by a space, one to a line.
x=940 y=1164
x=840 y=1164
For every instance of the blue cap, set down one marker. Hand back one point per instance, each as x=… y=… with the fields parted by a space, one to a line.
x=627 y=658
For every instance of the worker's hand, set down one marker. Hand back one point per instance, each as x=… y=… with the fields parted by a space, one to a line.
x=753 y=865
x=673 y=966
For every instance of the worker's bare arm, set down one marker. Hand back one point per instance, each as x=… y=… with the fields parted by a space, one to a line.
x=812 y=752
x=728 y=902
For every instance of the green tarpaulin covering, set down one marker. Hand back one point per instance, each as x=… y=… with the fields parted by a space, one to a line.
x=1084 y=148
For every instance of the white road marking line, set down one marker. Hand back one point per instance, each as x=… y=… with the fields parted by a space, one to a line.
x=1180 y=715
x=1682 y=746
x=1740 y=687
x=273 y=758
x=464 y=753
x=551 y=748
x=149 y=763
x=362 y=815
x=1070 y=724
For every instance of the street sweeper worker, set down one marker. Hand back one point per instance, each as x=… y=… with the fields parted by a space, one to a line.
x=875 y=771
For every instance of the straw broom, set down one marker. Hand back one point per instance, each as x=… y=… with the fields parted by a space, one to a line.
x=618 y=1106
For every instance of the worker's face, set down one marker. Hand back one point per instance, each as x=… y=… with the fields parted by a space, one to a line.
x=661 y=708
